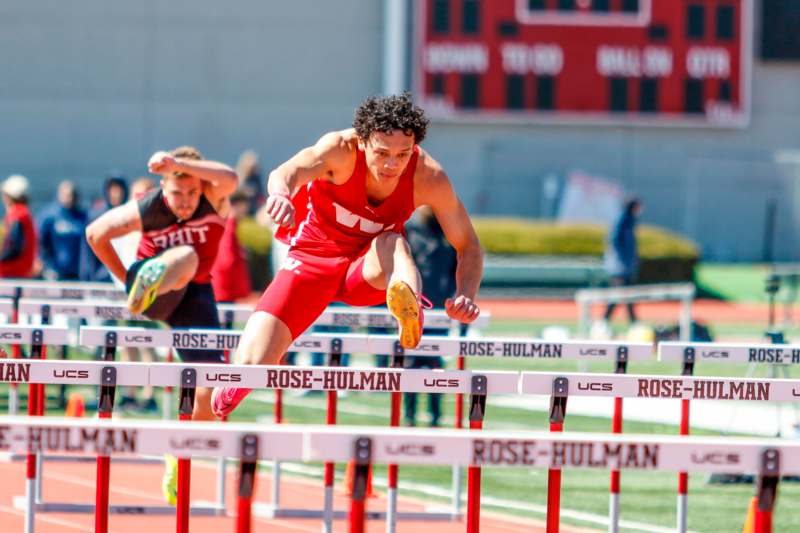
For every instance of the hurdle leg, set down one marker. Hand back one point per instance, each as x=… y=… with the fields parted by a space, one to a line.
x=362 y=457
x=683 y=477
x=186 y=407
x=275 y=489
x=30 y=476
x=104 y=409
x=248 y=462
x=558 y=410
x=476 y=416
x=39 y=351
x=327 y=512
x=391 y=504
x=13 y=391
x=767 y=490
x=166 y=396
x=458 y=475
x=613 y=503
x=616 y=427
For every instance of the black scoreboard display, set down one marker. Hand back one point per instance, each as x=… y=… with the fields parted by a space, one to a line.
x=662 y=62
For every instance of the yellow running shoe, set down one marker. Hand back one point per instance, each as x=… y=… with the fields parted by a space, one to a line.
x=169 y=483
x=407 y=307
x=145 y=286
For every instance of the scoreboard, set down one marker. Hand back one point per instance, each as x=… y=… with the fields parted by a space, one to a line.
x=660 y=62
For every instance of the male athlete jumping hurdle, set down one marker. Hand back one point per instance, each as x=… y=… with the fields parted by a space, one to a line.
x=181 y=222
x=341 y=205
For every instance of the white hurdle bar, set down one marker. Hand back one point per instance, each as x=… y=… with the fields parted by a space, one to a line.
x=234 y=313
x=683 y=292
x=769 y=458
x=690 y=353
x=400 y=380
x=382 y=344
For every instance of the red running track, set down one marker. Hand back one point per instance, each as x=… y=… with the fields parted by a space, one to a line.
x=141 y=484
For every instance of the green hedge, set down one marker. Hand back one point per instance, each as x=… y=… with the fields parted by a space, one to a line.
x=665 y=256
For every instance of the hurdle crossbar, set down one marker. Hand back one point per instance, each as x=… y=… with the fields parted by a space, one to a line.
x=768 y=457
x=683 y=292
x=205 y=339
x=231 y=313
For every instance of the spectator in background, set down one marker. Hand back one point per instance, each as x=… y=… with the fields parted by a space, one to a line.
x=18 y=254
x=436 y=261
x=621 y=259
x=61 y=234
x=115 y=192
x=251 y=183
x=230 y=276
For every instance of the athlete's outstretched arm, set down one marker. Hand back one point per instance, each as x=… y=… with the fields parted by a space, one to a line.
x=221 y=179
x=435 y=190
x=110 y=225
x=327 y=160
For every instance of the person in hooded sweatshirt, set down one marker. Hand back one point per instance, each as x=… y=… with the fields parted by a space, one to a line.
x=115 y=192
x=61 y=232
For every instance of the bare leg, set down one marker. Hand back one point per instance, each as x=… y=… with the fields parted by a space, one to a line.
x=202 y=404
x=389 y=265
x=264 y=341
x=181 y=262
x=389 y=259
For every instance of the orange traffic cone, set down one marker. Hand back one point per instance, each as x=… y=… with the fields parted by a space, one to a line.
x=75 y=405
x=750 y=519
x=349 y=475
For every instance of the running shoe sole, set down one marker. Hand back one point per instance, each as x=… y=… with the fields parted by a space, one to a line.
x=404 y=306
x=145 y=286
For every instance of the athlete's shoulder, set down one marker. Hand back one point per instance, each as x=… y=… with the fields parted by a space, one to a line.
x=430 y=180
x=429 y=170
x=337 y=150
x=333 y=143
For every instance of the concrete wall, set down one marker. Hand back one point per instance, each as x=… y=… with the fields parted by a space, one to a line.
x=89 y=86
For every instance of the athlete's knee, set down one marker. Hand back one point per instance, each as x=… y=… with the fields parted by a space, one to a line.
x=389 y=242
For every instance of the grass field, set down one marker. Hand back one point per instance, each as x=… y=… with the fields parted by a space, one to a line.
x=646 y=498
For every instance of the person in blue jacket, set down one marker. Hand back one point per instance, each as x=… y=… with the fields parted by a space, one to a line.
x=621 y=258
x=115 y=192
x=61 y=233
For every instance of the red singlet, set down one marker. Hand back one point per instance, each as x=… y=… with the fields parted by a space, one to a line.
x=335 y=227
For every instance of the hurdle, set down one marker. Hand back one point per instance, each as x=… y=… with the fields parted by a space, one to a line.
x=682 y=292
x=690 y=353
x=431 y=346
x=7 y=308
x=393 y=380
x=770 y=458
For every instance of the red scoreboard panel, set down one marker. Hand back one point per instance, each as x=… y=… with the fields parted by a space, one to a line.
x=663 y=62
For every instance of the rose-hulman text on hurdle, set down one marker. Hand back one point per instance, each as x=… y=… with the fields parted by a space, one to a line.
x=161 y=374
x=689 y=354
x=667 y=387
x=769 y=458
x=485 y=347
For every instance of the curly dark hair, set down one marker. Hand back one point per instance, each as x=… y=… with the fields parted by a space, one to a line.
x=390 y=113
